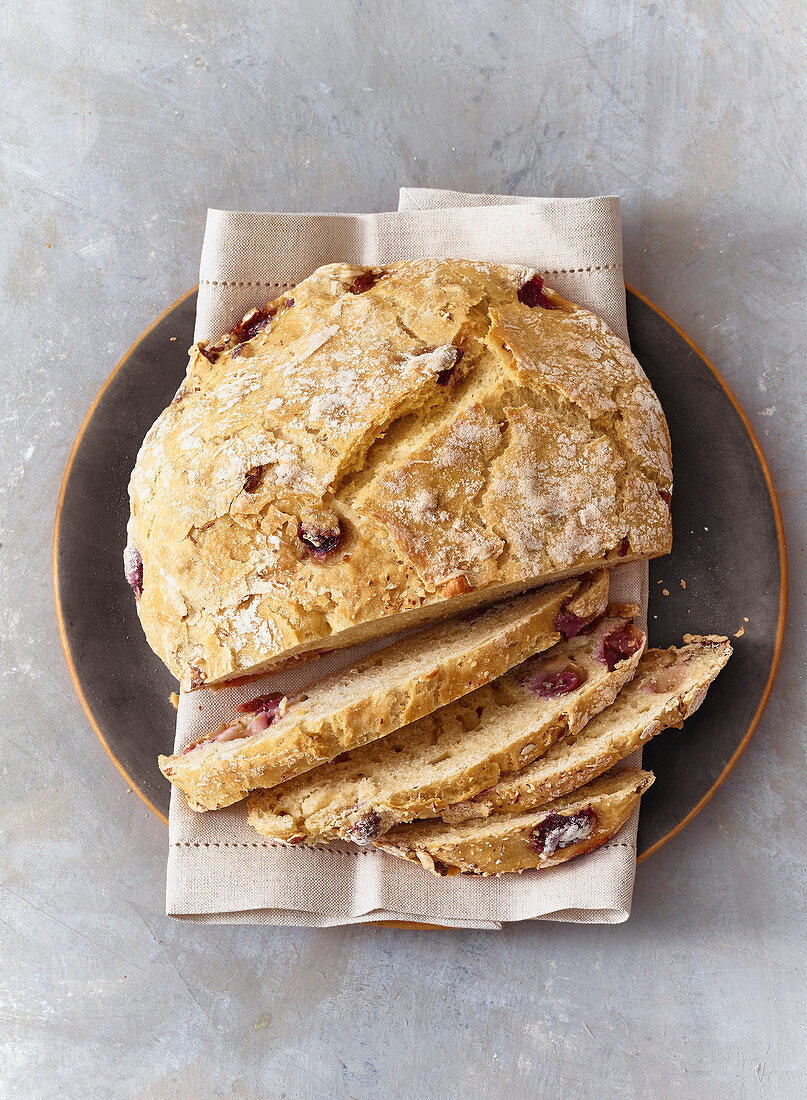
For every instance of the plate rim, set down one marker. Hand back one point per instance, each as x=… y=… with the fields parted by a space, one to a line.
x=780 y=534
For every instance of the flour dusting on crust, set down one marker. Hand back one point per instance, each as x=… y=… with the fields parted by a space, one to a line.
x=434 y=436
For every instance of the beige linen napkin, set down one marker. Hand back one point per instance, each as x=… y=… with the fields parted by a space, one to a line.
x=219 y=869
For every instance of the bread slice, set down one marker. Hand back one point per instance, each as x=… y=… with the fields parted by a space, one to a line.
x=560 y=830
x=669 y=685
x=452 y=754
x=283 y=737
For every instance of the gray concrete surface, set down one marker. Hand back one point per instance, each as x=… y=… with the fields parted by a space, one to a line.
x=121 y=123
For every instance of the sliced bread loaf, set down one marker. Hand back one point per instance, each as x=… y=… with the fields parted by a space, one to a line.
x=669 y=685
x=454 y=753
x=384 y=446
x=560 y=830
x=276 y=738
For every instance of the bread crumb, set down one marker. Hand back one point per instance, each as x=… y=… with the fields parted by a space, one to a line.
x=740 y=632
x=665 y=591
x=173 y=699
x=746 y=619
x=683 y=583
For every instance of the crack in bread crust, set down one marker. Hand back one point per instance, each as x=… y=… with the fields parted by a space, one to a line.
x=335 y=396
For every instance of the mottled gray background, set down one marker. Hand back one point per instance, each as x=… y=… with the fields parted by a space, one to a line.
x=121 y=123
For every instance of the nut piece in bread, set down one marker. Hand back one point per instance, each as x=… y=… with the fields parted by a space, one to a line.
x=382 y=447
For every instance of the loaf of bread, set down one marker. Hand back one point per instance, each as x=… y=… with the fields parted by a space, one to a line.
x=463 y=748
x=560 y=830
x=669 y=686
x=276 y=737
x=382 y=447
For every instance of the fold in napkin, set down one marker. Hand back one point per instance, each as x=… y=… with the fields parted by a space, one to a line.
x=219 y=869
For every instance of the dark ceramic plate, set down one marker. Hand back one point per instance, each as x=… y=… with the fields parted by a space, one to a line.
x=728 y=548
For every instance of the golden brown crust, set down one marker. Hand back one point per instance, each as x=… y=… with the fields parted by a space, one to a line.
x=379 y=694
x=575 y=824
x=383 y=443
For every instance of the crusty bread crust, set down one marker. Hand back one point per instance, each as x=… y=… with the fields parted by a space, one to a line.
x=669 y=686
x=452 y=753
x=515 y=842
x=382 y=447
x=382 y=692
